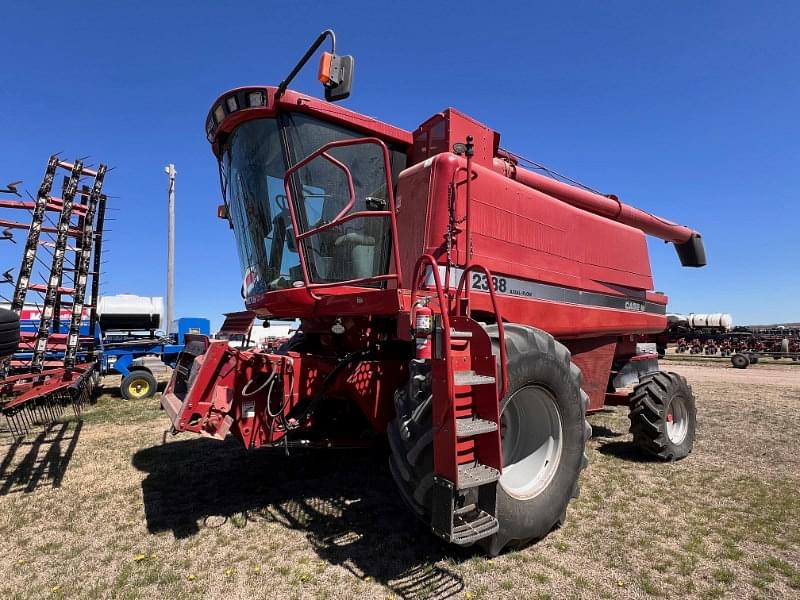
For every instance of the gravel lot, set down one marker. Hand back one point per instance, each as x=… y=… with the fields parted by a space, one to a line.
x=107 y=508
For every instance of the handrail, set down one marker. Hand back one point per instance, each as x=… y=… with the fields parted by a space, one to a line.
x=344 y=219
x=462 y=285
x=345 y=282
x=391 y=213
x=443 y=308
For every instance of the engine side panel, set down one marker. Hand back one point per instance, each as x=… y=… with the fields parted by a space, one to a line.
x=559 y=268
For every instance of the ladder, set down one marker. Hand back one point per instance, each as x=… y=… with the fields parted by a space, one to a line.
x=467 y=454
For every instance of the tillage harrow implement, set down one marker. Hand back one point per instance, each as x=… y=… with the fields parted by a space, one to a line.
x=55 y=365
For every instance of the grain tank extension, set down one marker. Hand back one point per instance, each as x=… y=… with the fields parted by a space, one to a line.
x=469 y=309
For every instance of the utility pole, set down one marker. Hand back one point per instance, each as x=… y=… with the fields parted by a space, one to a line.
x=171 y=172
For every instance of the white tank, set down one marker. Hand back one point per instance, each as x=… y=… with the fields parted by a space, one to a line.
x=702 y=320
x=128 y=312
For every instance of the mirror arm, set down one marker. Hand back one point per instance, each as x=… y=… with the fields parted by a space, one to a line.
x=309 y=53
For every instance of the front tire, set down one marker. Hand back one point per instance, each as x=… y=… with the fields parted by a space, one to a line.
x=544 y=433
x=138 y=385
x=663 y=416
x=545 y=383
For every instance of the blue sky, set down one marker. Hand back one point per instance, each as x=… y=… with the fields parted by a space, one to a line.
x=684 y=109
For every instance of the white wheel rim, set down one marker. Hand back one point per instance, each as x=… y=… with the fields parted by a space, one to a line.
x=531 y=442
x=677 y=420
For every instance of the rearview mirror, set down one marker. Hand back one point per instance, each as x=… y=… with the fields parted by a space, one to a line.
x=336 y=74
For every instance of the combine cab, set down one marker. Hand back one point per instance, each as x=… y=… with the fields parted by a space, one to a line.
x=470 y=309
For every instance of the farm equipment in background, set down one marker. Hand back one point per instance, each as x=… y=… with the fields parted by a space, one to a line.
x=472 y=309
x=132 y=345
x=128 y=340
x=240 y=330
x=713 y=335
x=55 y=362
x=765 y=342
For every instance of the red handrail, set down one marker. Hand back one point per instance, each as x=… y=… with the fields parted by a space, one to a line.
x=443 y=308
x=462 y=285
x=343 y=216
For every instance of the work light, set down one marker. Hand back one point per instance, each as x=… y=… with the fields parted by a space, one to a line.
x=255 y=99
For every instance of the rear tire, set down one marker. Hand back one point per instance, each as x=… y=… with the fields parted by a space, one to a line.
x=138 y=385
x=532 y=495
x=739 y=361
x=663 y=416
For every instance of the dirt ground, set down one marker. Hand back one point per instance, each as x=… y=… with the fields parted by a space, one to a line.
x=108 y=507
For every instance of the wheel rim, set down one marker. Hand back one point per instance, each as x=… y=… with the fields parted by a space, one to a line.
x=531 y=433
x=139 y=388
x=677 y=420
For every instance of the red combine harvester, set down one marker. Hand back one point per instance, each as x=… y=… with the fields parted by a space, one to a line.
x=473 y=310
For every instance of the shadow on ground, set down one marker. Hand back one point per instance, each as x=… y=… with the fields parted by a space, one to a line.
x=601 y=431
x=626 y=451
x=38 y=460
x=344 y=501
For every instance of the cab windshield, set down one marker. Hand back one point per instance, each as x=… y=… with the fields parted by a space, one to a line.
x=255 y=158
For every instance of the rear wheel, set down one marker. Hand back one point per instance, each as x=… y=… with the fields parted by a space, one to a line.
x=138 y=385
x=543 y=435
x=663 y=415
x=739 y=361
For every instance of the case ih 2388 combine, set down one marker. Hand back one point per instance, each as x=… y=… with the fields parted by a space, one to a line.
x=473 y=310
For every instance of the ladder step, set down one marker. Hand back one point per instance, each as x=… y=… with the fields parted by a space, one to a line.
x=455 y=334
x=475 y=474
x=469 y=426
x=471 y=378
x=478 y=527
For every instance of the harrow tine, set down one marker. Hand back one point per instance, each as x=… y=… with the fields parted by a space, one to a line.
x=38 y=410
x=33 y=413
x=46 y=411
x=56 y=408
x=22 y=417
x=12 y=426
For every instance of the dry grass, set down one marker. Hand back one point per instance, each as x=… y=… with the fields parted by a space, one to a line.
x=107 y=509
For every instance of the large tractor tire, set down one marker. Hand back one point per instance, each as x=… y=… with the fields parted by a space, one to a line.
x=138 y=385
x=544 y=433
x=663 y=416
x=9 y=332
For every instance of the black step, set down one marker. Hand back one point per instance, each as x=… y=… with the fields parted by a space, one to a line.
x=469 y=426
x=475 y=474
x=471 y=378
x=466 y=531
